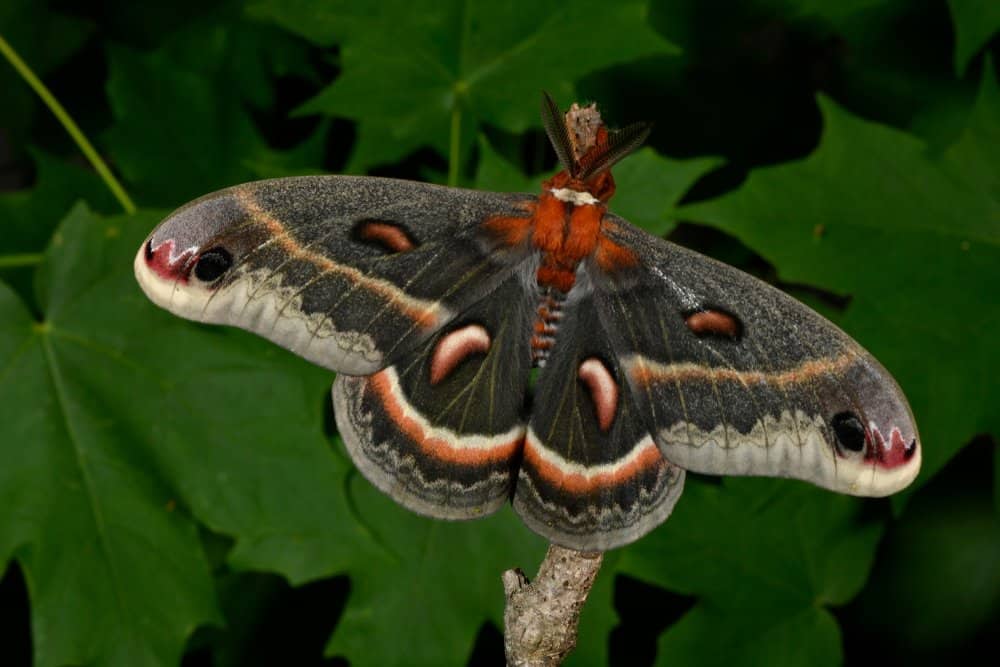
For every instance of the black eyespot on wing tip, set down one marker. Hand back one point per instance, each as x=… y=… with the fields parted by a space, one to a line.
x=212 y=264
x=849 y=430
x=149 y=250
x=910 y=450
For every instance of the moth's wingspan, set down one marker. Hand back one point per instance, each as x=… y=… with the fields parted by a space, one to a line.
x=734 y=377
x=348 y=272
x=441 y=430
x=591 y=477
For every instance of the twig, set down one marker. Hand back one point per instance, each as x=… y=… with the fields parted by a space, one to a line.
x=74 y=131
x=541 y=617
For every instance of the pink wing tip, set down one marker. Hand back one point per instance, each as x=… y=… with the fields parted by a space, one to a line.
x=162 y=261
x=891 y=453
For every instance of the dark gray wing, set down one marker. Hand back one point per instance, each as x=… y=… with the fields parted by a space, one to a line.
x=591 y=477
x=348 y=272
x=441 y=430
x=734 y=377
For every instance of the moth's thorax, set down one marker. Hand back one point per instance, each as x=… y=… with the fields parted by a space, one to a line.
x=565 y=234
x=569 y=224
x=566 y=226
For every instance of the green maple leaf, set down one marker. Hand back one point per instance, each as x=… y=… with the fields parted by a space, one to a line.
x=183 y=111
x=871 y=215
x=432 y=80
x=495 y=173
x=45 y=39
x=121 y=425
x=996 y=480
x=650 y=185
x=764 y=557
x=974 y=159
x=173 y=121
x=241 y=58
x=942 y=556
x=420 y=599
x=976 y=21
x=29 y=216
x=115 y=576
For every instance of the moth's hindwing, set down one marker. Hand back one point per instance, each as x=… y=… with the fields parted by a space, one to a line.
x=591 y=477
x=733 y=377
x=348 y=272
x=441 y=430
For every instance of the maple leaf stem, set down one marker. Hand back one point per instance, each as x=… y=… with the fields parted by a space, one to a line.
x=541 y=617
x=19 y=260
x=68 y=124
x=454 y=145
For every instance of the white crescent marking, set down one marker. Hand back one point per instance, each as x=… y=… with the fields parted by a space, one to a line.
x=455 y=347
x=603 y=390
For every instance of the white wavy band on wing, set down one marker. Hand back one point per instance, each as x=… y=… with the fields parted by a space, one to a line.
x=786 y=446
x=263 y=306
x=437 y=441
x=579 y=478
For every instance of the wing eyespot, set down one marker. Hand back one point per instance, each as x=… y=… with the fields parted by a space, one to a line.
x=456 y=346
x=212 y=264
x=603 y=389
x=714 y=322
x=849 y=430
x=390 y=237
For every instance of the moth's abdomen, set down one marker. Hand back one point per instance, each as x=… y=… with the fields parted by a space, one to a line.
x=546 y=326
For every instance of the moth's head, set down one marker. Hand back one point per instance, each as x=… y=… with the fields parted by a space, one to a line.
x=194 y=252
x=586 y=147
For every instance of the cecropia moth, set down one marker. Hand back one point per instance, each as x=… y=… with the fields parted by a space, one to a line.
x=538 y=349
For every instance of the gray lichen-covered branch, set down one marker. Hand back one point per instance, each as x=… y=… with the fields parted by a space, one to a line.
x=541 y=617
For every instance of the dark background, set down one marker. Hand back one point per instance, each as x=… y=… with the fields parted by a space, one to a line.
x=847 y=151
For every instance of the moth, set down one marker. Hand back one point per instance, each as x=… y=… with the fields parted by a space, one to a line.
x=535 y=349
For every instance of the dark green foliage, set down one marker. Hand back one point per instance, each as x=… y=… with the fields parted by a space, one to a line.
x=870 y=214
x=163 y=485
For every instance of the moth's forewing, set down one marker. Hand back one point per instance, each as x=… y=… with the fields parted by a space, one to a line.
x=734 y=377
x=348 y=272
